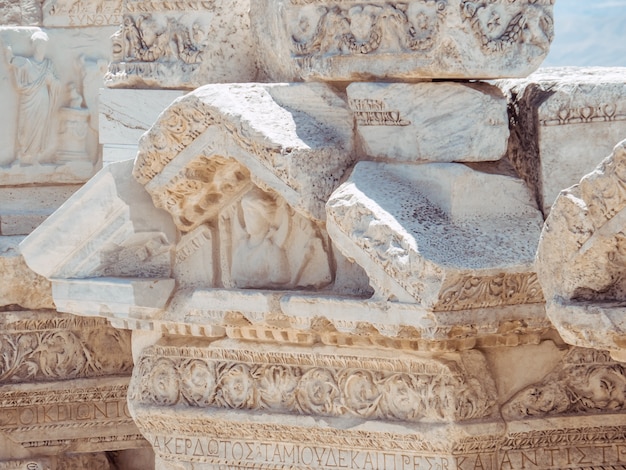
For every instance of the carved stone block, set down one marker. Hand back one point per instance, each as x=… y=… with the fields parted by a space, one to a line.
x=438 y=234
x=581 y=262
x=394 y=123
x=361 y=40
x=566 y=121
x=165 y=44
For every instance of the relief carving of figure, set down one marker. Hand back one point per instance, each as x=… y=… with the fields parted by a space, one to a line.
x=272 y=247
x=39 y=91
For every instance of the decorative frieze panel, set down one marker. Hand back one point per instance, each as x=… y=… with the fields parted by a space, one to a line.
x=166 y=44
x=356 y=40
x=48 y=346
x=369 y=387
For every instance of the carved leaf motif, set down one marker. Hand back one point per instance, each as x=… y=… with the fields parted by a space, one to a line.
x=235 y=386
x=198 y=382
x=164 y=382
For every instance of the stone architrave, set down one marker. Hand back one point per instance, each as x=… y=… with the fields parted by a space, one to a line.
x=420 y=39
x=581 y=258
x=565 y=121
x=182 y=45
x=395 y=125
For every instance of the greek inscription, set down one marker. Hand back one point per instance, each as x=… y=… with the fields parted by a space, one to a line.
x=259 y=453
x=63 y=412
x=370 y=112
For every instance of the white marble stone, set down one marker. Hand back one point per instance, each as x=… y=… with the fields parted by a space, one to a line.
x=438 y=234
x=420 y=39
x=566 y=121
x=295 y=140
x=430 y=122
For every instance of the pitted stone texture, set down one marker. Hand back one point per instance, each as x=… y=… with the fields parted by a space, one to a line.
x=440 y=235
x=430 y=122
x=581 y=261
x=421 y=39
x=182 y=45
x=19 y=285
x=295 y=139
x=566 y=120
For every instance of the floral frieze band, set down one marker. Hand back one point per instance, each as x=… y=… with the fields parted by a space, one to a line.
x=370 y=388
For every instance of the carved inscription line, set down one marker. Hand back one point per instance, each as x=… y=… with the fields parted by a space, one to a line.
x=369 y=112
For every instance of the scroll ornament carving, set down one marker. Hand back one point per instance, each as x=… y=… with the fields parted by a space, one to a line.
x=310 y=390
x=180 y=125
x=364 y=28
x=588 y=381
x=530 y=24
x=57 y=354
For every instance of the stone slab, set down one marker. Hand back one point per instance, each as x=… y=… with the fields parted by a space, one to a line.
x=430 y=122
x=566 y=121
x=422 y=39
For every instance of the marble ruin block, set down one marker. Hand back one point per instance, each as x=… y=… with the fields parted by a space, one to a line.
x=430 y=122
x=164 y=44
x=441 y=235
x=566 y=121
x=420 y=39
x=580 y=260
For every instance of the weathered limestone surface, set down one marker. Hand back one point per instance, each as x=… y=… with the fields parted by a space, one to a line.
x=395 y=125
x=163 y=44
x=566 y=120
x=440 y=235
x=580 y=259
x=419 y=39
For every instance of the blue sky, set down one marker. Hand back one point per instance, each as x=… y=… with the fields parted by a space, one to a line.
x=589 y=32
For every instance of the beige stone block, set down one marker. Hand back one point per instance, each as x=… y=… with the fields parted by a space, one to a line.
x=580 y=258
x=566 y=120
x=359 y=41
x=430 y=122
